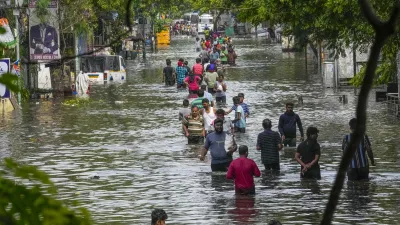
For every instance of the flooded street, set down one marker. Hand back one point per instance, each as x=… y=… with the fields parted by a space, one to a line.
x=129 y=136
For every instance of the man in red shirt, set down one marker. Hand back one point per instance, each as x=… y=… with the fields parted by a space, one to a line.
x=198 y=68
x=242 y=171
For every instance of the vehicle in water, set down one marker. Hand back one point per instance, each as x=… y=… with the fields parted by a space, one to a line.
x=205 y=20
x=104 y=68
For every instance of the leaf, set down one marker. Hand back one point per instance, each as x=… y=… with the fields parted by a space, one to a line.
x=10 y=81
x=2 y=30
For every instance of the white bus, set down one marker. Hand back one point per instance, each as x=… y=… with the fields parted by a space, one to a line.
x=205 y=19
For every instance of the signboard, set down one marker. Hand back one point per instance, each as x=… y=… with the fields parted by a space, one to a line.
x=44 y=33
x=4 y=68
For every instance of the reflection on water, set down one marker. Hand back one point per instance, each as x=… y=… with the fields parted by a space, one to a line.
x=129 y=136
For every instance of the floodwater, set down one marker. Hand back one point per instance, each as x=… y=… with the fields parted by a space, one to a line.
x=129 y=136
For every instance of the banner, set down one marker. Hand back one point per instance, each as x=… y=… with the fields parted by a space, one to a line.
x=4 y=68
x=7 y=38
x=44 y=35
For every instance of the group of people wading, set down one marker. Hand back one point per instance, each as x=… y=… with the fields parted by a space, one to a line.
x=203 y=123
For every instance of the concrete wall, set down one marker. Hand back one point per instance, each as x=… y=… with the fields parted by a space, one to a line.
x=346 y=64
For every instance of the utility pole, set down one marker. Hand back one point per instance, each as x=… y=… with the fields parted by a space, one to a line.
x=16 y=13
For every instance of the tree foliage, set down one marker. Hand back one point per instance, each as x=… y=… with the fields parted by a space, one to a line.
x=36 y=204
x=338 y=24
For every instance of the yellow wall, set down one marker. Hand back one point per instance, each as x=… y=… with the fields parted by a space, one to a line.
x=163 y=37
x=5 y=106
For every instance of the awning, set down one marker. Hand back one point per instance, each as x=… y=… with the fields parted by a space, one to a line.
x=7 y=38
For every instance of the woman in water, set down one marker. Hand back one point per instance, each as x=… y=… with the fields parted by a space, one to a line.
x=192 y=81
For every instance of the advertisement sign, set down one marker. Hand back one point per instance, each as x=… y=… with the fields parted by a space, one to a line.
x=4 y=68
x=44 y=33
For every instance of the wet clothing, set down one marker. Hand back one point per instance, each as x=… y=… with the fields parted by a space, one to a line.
x=214 y=56
x=308 y=150
x=220 y=93
x=272 y=166
x=208 y=118
x=227 y=125
x=208 y=96
x=169 y=78
x=244 y=106
x=204 y=55
x=181 y=73
x=194 y=125
x=359 y=166
x=194 y=140
x=287 y=125
x=221 y=99
x=193 y=85
x=184 y=112
x=215 y=143
x=291 y=142
x=212 y=79
x=242 y=171
x=241 y=123
x=223 y=167
x=198 y=69
x=232 y=58
x=268 y=142
x=224 y=57
x=198 y=102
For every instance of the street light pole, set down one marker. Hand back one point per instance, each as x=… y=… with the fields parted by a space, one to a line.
x=16 y=14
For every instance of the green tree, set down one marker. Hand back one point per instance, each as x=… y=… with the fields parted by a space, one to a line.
x=36 y=204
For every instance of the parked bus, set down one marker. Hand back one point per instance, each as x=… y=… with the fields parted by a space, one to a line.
x=102 y=68
x=205 y=19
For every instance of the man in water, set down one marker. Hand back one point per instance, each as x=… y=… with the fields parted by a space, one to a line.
x=198 y=68
x=215 y=142
x=307 y=155
x=228 y=125
x=269 y=143
x=193 y=126
x=185 y=111
x=287 y=126
x=240 y=121
x=210 y=78
x=169 y=74
x=359 y=167
x=181 y=73
x=207 y=95
x=158 y=217
x=214 y=55
x=244 y=106
x=199 y=100
x=209 y=115
x=242 y=171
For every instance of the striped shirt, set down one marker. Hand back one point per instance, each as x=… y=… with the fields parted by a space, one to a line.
x=268 y=142
x=198 y=102
x=359 y=159
x=195 y=126
x=181 y=72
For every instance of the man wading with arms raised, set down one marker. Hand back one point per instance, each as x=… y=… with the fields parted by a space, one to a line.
x=215 y=142
x=269 y=142
x=242 y=171
x=287 y=126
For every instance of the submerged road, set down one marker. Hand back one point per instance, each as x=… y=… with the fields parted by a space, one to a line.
x=129 y=136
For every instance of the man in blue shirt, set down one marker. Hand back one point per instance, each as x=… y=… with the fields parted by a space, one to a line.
x=215 y=142
x=287 y=126
x=359 y=167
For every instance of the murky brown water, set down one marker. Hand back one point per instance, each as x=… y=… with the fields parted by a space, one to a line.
x=129 y=137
